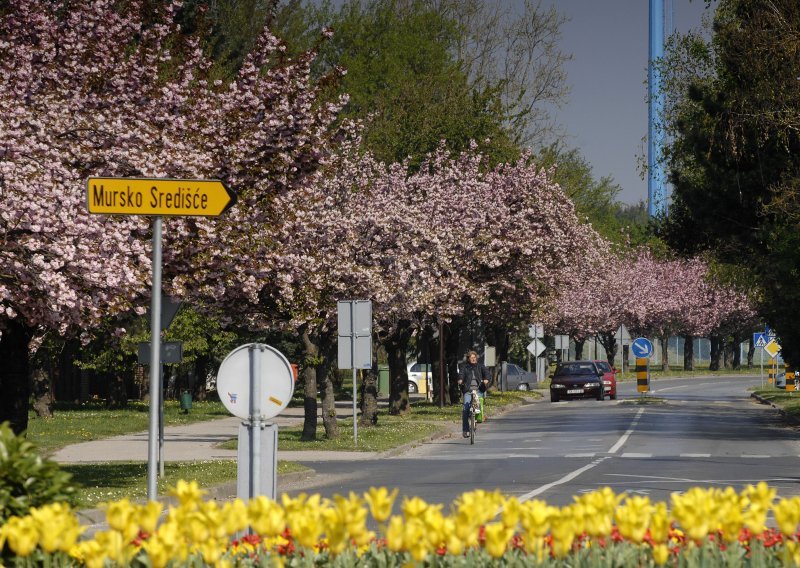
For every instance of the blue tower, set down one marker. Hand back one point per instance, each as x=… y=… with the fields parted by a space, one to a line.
x=656 y=176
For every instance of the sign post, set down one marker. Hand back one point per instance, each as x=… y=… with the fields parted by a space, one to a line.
x=156 y=197
x=760 y=341
x=355 y=343
x=642 y=349
x=255 y=383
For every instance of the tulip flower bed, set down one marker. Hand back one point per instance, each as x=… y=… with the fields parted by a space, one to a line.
x=701 y=527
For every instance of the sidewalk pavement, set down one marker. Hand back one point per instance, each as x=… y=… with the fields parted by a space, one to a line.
x=199 y=441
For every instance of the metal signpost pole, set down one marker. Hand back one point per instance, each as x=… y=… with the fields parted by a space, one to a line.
x=255 y=419
x=353 y=352
x=761 y=366
x=155 y=363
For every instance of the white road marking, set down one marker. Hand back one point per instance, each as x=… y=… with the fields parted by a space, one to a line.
x=759 y=456
x=569 y=477
x=627 y=434
x=695 y=455
x=635 y=455
x=579 y=455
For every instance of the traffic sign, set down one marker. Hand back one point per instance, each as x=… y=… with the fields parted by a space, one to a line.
x=772 y=348
x=760 y=339
x=261 y=396
x=535 y=330
x=536 y=347
x=158 y=196
x=641 y=347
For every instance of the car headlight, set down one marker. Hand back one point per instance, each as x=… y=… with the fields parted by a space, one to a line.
x=557 y=386
x=592 y=385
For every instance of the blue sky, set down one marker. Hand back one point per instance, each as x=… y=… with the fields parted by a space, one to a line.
x=606 y=114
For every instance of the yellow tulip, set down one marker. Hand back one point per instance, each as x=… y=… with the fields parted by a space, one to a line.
x=497 y=537
x=633 y=518
x=21 y=535
x=188 y=494
x=760 y=494
x=159 y=553
x=112 y=543
x=787 y=515
x=693 y=510
x=395 y=533
x=659 y=523
x=147 y=516
x=414 y=508
x=660 y=554
x=335 y=529
x=57 y=526
x=380 y=502
x=512 y=512
x=562 y=531
x=536 y=516
x=415 y=539
x=89 y=553
x=793 y=552
x=234 y=515
x=121 y=516
x=266 y=516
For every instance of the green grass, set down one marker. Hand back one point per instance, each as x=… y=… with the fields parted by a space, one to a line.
x=74 y=423
x=656 y=372
x=101 y=482
x=788 y=401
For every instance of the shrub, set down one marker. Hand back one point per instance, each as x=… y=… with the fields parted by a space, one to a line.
x=26 y=479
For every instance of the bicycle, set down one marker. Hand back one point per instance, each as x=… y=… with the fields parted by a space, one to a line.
x=474 y=408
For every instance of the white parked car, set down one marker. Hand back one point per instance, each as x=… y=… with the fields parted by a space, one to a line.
x=418 y=376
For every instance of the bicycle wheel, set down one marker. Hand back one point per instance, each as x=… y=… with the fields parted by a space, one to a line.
x=472 y=427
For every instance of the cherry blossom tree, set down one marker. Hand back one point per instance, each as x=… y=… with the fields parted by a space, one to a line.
x=447 y=240
x=102 y=88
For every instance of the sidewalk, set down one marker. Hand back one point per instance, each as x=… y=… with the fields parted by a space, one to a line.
x=199 y=441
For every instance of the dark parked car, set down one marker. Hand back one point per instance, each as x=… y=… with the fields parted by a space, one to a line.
x=577 y=379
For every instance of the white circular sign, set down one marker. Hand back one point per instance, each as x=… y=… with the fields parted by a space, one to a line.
x=275 y=382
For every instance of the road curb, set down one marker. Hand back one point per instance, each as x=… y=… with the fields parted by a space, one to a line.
x=786 y=416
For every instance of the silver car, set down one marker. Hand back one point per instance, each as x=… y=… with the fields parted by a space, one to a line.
x=515 y=377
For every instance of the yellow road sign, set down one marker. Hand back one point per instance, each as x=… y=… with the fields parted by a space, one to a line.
x=158 y=196
x=772 y=348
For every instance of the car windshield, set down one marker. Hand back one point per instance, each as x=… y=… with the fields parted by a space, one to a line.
x=575 y=369
x=605 y=367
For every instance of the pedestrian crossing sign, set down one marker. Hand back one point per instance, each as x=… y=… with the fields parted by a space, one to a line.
x=760 y=339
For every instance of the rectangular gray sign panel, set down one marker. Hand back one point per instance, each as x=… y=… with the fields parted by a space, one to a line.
x=171 y=352
x=363 y=353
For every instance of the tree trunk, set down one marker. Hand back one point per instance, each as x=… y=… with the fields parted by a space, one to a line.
x=324 y=375
x=688 y=352
x=451 y=356
x=608 y=340
x=716 y=352
x=737 y=351
x=310 y=361
x=579 y=343
x=14 y=377
x=369 y=398
x=727 y=353
x=751 y=351
x=396 y=346
x=665 y=354
x=42 y=393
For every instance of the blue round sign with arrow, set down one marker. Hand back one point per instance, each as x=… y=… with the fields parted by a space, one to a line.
x=642 y=347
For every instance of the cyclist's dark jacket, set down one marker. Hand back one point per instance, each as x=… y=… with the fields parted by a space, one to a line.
x=472 y=377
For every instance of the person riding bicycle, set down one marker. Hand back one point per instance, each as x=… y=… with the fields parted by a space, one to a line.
x=472 y=376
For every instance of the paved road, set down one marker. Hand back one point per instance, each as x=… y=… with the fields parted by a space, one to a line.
x=706 y=432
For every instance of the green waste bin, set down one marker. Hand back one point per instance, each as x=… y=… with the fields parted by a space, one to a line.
x=186 y=401
x=383 y=380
